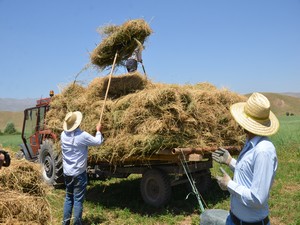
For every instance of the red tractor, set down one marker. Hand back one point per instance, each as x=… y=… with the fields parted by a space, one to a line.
x=38 y=142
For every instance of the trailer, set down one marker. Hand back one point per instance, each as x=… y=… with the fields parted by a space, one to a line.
x=160 y=171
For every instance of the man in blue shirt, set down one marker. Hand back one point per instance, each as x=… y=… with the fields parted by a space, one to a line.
x=74 y=145
x=255 y=168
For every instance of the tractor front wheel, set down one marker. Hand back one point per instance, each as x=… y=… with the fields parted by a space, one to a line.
x=51 y=162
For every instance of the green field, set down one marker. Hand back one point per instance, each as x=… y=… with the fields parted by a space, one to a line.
x=118 y=201
x=10 y=141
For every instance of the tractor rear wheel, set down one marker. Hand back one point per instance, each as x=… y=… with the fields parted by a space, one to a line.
x=51 y=162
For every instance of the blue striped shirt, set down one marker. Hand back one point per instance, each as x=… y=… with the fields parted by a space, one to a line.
x=74 y=147
x=254 y=173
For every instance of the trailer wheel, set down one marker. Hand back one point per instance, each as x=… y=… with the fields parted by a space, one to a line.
x=51 y=162
x=155 y=187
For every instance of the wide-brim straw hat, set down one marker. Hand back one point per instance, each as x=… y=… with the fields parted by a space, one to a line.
x=255 y=115
x=72 y=121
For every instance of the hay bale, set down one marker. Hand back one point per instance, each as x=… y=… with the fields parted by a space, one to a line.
x=120 y=39
x=161 y=116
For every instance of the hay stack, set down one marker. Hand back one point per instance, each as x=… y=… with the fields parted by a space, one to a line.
x=119 y=39
x=23 y=194
x=160 y=116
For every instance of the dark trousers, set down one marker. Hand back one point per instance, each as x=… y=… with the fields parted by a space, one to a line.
x=75 y=193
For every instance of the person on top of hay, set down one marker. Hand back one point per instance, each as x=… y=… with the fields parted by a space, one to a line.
x=132 y=61
x=256 y=166
x=74 y=145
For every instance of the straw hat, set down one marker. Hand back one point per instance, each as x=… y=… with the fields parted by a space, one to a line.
x=72 y=121
x=255 y=115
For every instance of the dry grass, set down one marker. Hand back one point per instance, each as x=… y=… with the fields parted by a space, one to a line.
x=20 y=208
x=141 y=117
x=119 y=39
x=23 y=194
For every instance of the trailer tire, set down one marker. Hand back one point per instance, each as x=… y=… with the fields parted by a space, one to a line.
x=155 y=187
x=51 y=162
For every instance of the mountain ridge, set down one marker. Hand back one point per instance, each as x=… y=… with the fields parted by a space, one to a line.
x=16 y=105
x=11 y=110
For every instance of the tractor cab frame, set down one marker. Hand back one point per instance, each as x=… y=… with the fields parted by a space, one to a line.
x=34 y=131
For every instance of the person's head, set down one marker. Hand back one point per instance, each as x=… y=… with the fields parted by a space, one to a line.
x=255 y=115
x=72 y=121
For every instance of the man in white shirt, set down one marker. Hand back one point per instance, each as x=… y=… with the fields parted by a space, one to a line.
x=74 y=145
x=255 y=168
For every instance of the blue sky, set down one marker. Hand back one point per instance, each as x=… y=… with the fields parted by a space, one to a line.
x=243 y=45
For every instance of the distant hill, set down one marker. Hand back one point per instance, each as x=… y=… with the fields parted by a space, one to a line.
x=11 y=110
x=294 y=94
x=11 y=117
x=16 y=105
x=283 y=103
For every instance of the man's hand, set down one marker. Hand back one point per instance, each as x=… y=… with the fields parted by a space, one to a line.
x=222 y=156
x=98 y=127
x=223 y=181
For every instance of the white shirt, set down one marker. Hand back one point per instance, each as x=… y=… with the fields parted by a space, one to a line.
x=254 y=173
x=74 y=147
x=137 y=55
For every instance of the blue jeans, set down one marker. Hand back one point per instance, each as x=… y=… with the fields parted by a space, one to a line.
x=75 y=193
x=230 y=222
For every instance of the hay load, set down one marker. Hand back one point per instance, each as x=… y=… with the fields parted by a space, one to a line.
x=119 y=39
x=140 y=117
x=153 y=118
